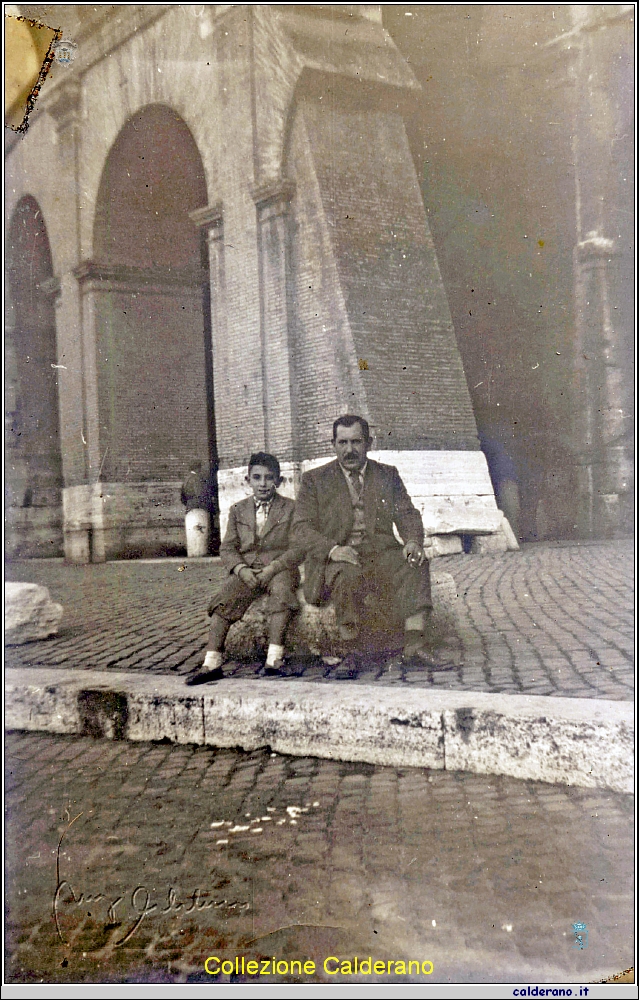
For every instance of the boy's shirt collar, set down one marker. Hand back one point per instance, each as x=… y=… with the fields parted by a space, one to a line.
x=264 y=504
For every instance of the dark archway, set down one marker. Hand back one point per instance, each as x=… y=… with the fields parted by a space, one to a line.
x=155 y=382
x=34 y=464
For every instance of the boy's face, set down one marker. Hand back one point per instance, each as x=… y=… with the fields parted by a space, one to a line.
x=262 y=481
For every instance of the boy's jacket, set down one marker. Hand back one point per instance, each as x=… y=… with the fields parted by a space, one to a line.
x=241 y=544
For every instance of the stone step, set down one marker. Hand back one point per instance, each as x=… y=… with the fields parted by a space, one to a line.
x=583 y=742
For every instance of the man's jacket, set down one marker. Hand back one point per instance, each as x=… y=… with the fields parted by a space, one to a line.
x=241 y=544
x=324 y=516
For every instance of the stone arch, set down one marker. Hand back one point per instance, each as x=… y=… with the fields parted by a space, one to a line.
x=34 y=463
x=149 y=280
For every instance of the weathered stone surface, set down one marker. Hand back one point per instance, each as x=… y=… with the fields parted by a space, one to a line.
x=489 y=545
x=444 y=545
x=580 y=742
x=509 y=535
x=29 y=613
x=314 y=629
x=568 y=741
x=41 y=701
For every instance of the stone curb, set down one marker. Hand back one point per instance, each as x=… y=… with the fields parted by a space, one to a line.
x=587 y=742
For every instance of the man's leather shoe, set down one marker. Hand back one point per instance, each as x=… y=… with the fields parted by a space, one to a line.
x=417 y=651
x=271 y=669
x=204 y=677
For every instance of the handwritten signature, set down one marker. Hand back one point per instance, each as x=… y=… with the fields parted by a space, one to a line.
x=140 y=901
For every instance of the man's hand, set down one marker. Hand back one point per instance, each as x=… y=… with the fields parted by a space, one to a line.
x=248 y=577
x=345 y=553
x=413 y=554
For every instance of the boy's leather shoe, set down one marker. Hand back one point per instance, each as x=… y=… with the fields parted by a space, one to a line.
x=204 y=677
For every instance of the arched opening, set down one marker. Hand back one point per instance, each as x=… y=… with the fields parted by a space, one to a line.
x=34 y=465
x=155 y=384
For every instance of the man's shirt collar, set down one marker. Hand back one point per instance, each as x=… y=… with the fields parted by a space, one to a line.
x=347 y=472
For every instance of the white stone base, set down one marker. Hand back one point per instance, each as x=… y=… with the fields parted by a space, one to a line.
x=451 y=489
x=120 y=520
x=29 y=613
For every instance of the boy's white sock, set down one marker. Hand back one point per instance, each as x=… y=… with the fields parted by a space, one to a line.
x=415 y=623
x=212 y=659
x=274 y=654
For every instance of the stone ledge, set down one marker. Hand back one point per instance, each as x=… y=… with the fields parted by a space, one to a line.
x=314 y=629
x=558 y=740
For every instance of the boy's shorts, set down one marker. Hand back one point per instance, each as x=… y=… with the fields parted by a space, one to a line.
x=235 y=598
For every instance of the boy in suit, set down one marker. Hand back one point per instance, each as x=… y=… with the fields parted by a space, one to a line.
x=257 y=554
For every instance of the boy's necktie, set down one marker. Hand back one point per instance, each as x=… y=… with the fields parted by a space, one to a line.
x=261 y=516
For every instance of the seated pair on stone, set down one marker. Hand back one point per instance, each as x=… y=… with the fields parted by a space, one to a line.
x=343 y=526
x=257 y=554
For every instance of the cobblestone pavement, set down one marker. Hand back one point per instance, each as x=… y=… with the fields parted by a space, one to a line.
x=553 y=619
x=170 y=854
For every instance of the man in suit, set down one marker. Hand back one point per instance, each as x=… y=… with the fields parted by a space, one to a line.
x=344 y=517
x=257 y=554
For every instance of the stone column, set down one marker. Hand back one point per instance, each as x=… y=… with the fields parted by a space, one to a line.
x=64 y=106
x=602 y=353
x=211 y=220
x=83 y=522
x=605 y=465
x=272 y=203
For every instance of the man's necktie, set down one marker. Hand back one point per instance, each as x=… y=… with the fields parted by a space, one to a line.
x=356 y=481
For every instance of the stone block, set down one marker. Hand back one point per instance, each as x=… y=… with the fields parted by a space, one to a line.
x=310 y=720
x=580 y=741
x=509 y=535
x=489 y=545
x=314 y=629
x=585 y=742
x=33 y=532
x=443 y=545
x=77 y=547
x=29 y=613
x=38 y=701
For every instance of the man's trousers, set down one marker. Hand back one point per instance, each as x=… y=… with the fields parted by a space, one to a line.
x=386 y=573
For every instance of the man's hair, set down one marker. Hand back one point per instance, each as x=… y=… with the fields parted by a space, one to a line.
x=268 y=461
x=348 y=420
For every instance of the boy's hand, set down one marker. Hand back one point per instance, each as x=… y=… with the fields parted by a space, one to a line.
x=266 y=574
x=248 y=577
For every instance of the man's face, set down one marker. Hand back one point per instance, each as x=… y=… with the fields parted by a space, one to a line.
x=263 y=482
x=350 y=446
